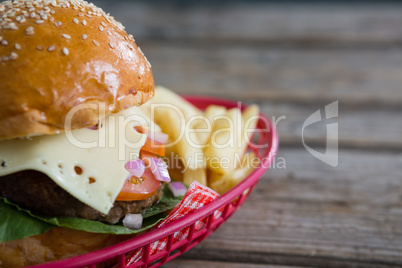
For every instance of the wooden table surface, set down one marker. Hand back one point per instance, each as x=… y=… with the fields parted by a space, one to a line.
x=292 y=60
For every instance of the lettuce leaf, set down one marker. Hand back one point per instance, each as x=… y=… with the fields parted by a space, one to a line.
x=17 y=223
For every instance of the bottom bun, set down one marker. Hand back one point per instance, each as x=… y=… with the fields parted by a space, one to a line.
x=55 y=244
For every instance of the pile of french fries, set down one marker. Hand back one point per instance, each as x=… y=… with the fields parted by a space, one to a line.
x=208 y=146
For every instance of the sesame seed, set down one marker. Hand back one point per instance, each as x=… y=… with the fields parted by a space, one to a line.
x=51 y=19
x=13 y=26
x=111 y=44
x=96 y=43
x=22 y=20
x=53 y=12
x=17 y=46
x=29 y=30
x=18 y=18
x=82 y=9
x=65 y=51
x=51 y=48
x=31 y=9
x=84 y=22
x=84 y=36
x=13 y=56
x=89 y=16
x=44 y=17
x=54 y=3
x=100 y=28
x=66 y=36
x=80 y=14
x=120 y=26
x=4 y=42
x=5 y=58
x=104 y=24
x=109 y=33
x=40 y=48
x=39 y=21
x=76 y=21
x=33 y=15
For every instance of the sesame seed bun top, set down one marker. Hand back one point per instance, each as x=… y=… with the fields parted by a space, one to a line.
x=55 y=55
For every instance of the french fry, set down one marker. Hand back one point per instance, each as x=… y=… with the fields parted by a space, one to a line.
x=218 y=137
x=175 y=126
x=224 y=142
x=229 y=180
x=199 y=175
x=172 y=113
x=213 y=177
x=164 y=96
x=249 y=124
x=204 y=127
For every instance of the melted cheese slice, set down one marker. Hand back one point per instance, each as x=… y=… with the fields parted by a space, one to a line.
x=88 y=164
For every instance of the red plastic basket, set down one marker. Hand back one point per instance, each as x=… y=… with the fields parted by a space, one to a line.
x=265 y=137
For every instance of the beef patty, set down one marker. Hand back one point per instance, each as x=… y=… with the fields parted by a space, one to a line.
x=36 y=192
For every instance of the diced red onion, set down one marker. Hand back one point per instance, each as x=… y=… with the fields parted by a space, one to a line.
x=136 y=168
x=93 y=127
x=177 y=188
x=158 y=137
x=133 y=221
x=159 y=169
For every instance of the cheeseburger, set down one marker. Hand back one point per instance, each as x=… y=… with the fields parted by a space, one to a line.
x=73 y=144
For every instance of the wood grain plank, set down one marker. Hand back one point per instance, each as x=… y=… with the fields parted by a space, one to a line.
x=270 y=23
x=357 y=78
x=293 y=60
x=366 y=129
x=312 y=214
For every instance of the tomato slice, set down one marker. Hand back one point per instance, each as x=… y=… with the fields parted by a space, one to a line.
x=139 y=189
x=154 y=147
